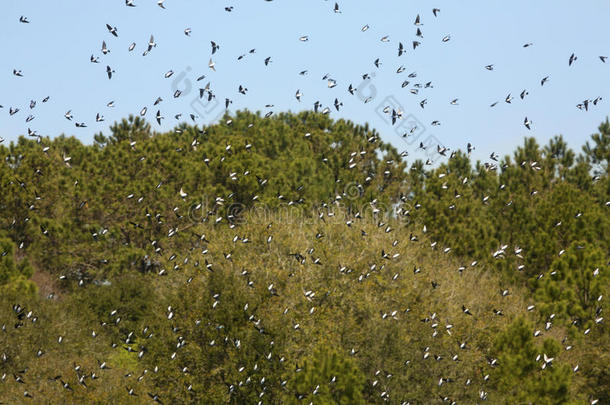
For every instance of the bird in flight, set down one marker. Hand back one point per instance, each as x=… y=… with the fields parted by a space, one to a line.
x=112 y=30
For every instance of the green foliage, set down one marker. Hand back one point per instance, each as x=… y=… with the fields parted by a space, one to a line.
x=14 y=275
x=129 y=295
x=598 y=153
x=579 y=278
x=523 y=374
x=330 y=378
x=187 y=261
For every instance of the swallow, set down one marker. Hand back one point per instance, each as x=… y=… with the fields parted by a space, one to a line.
x=112 y=30
x=215 y=47
x=151 y=44
x=572 y=59
x=401 y=49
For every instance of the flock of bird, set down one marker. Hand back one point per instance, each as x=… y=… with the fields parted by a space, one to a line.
x=206 y=91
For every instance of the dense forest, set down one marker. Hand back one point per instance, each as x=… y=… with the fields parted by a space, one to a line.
x=297 y=259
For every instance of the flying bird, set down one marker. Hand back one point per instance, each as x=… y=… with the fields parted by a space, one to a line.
x=572 y=59
x=112 y=30
x=151 y=43
x=215 y=47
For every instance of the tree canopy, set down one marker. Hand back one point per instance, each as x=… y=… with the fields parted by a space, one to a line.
x=297 y=259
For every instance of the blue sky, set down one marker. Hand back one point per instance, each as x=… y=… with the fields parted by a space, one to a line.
x=53 y=53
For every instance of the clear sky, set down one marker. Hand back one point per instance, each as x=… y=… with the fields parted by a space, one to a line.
x=53 y=52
